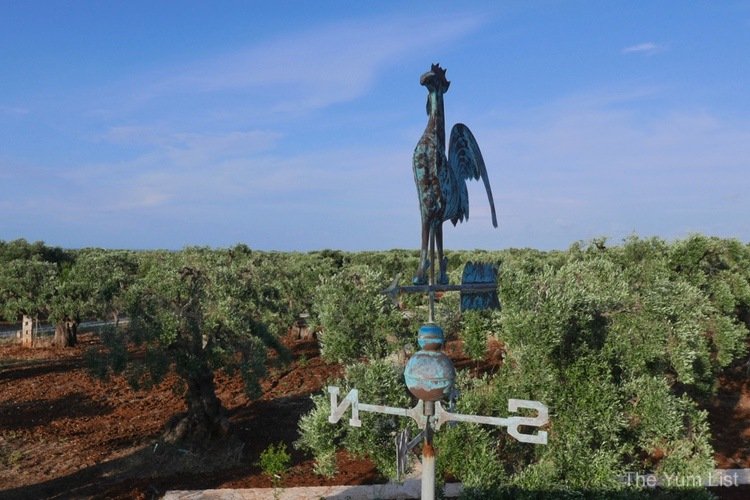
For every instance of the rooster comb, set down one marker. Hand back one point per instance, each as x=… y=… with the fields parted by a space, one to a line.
x=438 y=71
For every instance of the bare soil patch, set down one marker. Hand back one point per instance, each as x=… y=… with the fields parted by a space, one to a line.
x=64 y=434
x=729 y=415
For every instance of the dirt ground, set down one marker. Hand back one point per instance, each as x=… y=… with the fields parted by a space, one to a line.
x=64 y=434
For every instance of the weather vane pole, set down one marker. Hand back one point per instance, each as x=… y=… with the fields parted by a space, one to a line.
x=429 y=374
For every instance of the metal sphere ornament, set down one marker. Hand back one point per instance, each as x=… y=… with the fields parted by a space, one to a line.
x=429 y=374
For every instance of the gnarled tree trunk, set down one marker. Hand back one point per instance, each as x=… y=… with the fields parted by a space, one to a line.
x=205 y=418
x=66 y=333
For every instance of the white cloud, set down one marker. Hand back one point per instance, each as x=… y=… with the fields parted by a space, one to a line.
x=246 y=140
x=322 y=66
x=237 y=169
x=582 y=168
x=647 y=48
x=169 y=160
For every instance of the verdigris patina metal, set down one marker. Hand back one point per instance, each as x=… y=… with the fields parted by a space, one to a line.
x=441 y=180
x=429 y=374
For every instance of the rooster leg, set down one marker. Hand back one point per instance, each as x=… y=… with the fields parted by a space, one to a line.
x=424 y=261
x=443 y=278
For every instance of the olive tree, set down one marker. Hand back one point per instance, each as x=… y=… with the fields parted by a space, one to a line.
x=34 y=281
x=90 y=286
x=624 y=344
x=103 y=277
x=197 y=311
x=26 y=288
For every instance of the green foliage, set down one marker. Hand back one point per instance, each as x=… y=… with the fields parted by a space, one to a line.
x=319 y=437
x=614 y=340
x=390 y=263
x=275 y=461
x=31 y=278
x=27 y=287
x=356 y=318
x=111 y=357
x=198 y=311
x=720 y=269
x=23 y=250
x=297 y=276
x=666 y=426
x=586 y=447
x=201 y=310
x=62 y=287
x=470 y=452
x=623 y=343
x=477 y=326
x=378 y=382
x=102 y=278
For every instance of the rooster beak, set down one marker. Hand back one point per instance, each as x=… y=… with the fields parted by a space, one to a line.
x=423 y=79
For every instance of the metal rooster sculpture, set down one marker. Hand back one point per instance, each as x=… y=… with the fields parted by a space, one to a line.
x=441 y=181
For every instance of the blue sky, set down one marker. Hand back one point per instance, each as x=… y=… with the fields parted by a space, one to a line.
x=291 y=125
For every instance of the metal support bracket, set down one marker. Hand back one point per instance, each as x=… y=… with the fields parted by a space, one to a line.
x=403 y=446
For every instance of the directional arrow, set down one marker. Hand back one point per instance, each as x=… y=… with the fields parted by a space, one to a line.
x=394 y=289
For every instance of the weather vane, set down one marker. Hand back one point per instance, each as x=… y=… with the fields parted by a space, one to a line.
x=441 y=180
x=429 y=374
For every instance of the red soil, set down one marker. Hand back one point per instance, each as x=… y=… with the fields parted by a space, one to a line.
x=63 y=433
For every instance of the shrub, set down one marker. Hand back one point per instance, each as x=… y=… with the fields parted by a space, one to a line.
x=378 y=382
x=476 y=327
x=356 y=318
x=274 y=462
x=623 y=344
x=319 y=437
